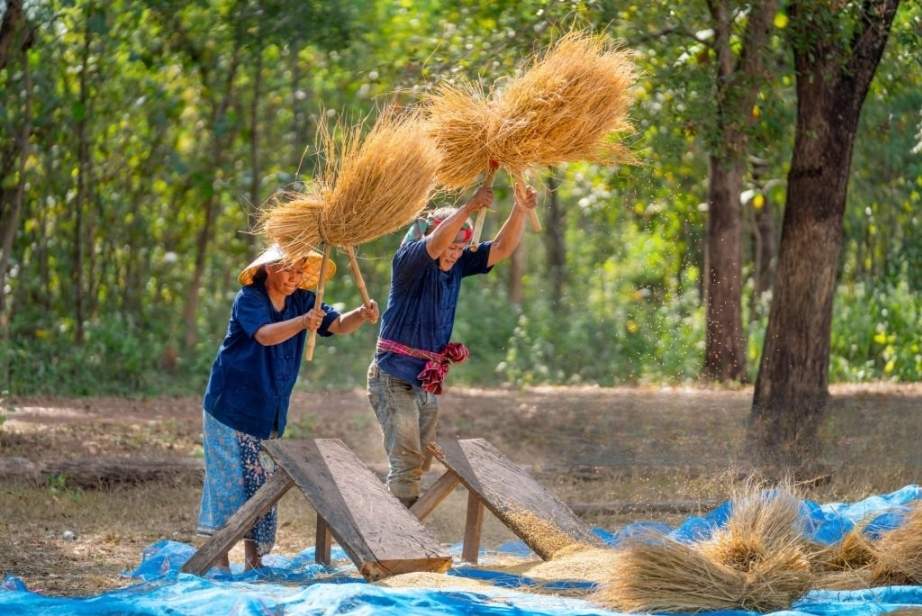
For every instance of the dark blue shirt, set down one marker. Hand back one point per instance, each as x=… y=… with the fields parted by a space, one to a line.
x=421 y=304
x=250 y=383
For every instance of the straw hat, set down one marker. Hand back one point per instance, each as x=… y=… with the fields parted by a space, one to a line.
x=274 y=254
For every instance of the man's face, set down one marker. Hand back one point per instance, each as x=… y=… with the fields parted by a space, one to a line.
x=451 y=255
x=284 y=278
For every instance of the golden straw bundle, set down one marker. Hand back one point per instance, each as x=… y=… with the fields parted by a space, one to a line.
x=898 y=553
x=567 y=106
x=756 y=562
x=669 y=576
x=853 y=552
x=366 y=188
x=460 y=122
x=760 y=523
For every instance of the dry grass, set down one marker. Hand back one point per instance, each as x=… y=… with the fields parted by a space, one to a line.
x=367 y=187
x=761 y=523
x=853 y=552
x=460 y=121
x=846 y=579
x=566 y=107
x=664 y=452
x=570 y=105
x=669 y=576
x=898 y=553
x=857 y=562
x=755 y=562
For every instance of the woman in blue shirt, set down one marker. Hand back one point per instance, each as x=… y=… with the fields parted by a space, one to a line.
x=251 y=381
x=413 y=350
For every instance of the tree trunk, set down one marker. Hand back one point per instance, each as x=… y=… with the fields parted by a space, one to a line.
x=791 y=389
x=12 y=221
x=763 y=256
x=83 y=171
x=10 y=28
x=725 y=359
x=554 y=240
x=763 y=240
x=737 y=86
x=764 y=236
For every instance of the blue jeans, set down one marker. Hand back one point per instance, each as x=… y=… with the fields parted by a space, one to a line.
x=408 y=417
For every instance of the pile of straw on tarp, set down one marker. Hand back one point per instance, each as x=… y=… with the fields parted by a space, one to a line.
x=860 y=562
x=756 y=562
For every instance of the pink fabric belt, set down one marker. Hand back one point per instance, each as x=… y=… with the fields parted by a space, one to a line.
x=437 y=364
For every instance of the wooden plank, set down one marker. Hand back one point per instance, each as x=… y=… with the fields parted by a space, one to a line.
x=533 y=513
x=472 y=525
x=377 y=532
x=240 y=523
x=323 y=543
x=436 y=493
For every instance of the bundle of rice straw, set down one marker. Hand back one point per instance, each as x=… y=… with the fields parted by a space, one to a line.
x=756 y=562
x=858 y=562
x=669 y=576
x=568 y=106
x=761 y=522
x=853 y=552
x=898 y=553
x=366 y=187
x=460 y=121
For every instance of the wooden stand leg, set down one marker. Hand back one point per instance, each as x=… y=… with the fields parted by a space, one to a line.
x=323 y=543
x=472 y=528
x=240 y=523
x=431 y=498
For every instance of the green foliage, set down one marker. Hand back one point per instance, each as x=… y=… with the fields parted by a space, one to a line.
x=164 y=96
x=877 y=333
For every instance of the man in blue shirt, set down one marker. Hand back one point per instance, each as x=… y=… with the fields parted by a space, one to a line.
x=414 y=350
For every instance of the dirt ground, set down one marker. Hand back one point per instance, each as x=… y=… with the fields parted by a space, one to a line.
x=643 y=446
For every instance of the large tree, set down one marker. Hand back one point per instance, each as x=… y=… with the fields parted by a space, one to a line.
x=737 y=86
x=837 y=47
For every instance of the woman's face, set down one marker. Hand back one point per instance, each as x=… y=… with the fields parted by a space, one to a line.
x=284 y=278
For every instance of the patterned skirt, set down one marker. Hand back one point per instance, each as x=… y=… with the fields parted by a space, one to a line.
x=235 y=467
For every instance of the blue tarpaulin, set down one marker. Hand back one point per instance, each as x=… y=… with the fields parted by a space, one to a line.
x=296 y=585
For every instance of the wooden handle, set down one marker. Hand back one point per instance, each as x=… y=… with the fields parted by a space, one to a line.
x=357 y=274
x=318 y=302
x=533 y=219
x=482 y=214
